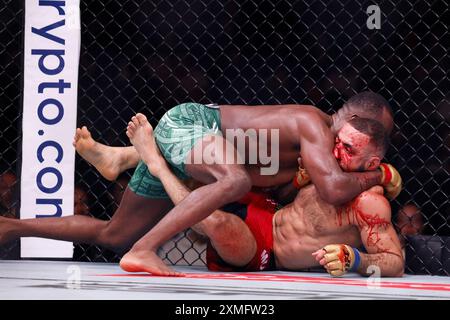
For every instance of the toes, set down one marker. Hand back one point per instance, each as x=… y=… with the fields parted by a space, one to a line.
x=130 y=131
x=141 y=118
x=135 y=120
x=77 y=135
x=85 y=132
x=131 y=126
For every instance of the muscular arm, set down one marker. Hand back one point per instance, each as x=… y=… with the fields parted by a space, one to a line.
x=333 y=185
x=372 y=214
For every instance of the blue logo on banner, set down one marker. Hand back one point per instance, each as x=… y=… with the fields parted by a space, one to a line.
x=48 y=89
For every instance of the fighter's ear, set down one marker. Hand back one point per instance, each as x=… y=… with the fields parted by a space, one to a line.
x=373 y=163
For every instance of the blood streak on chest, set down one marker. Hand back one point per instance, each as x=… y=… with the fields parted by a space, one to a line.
x=354 y=215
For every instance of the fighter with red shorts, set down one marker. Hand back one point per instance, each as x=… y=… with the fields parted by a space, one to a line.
x=256 y=210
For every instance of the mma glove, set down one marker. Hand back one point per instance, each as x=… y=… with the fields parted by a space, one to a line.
x=341 y=258
x=390 y=180
x=301 y=179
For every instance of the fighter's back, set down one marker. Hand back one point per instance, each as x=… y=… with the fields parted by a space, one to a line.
x=278 y=128
x=288 y=120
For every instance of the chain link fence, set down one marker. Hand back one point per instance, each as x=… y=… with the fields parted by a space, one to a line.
x=148 y=56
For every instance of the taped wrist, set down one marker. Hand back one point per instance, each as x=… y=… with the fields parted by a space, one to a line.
x=357 y=261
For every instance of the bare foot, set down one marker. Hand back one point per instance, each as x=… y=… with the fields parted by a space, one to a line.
x=141 y=136
x=6 y=230
x=147 y=261
x=104 y=158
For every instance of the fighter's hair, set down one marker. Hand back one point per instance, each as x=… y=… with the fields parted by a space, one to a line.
x=374 y=130
x=371 y=104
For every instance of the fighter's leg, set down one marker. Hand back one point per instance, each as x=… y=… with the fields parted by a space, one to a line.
x=109 y=161
x=134 y=217
x=228 y=234
x=227 y=183
x=230 y=237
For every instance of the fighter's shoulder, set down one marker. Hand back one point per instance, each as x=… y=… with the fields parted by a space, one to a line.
x=309 y=111
x=373 y=203
x=312 y=121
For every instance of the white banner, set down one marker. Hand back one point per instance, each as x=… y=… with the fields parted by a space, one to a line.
x=51 y=58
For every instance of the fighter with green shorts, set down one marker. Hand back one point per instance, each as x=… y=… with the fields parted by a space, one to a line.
x=176 y=133
x=146 y=218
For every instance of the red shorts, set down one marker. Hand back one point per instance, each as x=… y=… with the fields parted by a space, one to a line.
x=259 y=218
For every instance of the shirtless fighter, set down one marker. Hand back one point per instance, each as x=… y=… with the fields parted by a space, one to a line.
x=305 y=233
x=145 y=204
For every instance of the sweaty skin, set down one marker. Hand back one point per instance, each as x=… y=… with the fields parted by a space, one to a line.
x=129 y=227
x=301 y=228
x=307 y=132
x=309 y=224
x=298 y=125
x=224 y=182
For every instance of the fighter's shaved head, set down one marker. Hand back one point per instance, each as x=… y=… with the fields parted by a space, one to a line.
x=371 y=105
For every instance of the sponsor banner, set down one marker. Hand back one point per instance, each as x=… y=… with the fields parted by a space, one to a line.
x=51 y=59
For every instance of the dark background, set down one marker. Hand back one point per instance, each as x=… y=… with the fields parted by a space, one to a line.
x=148 y=56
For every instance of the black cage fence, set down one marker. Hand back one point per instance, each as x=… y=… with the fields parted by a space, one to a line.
x=148 y=56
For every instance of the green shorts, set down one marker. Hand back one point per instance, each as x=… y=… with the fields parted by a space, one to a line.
x=176 y=133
